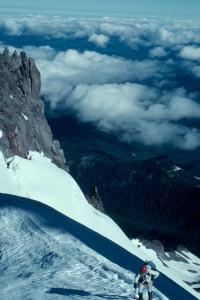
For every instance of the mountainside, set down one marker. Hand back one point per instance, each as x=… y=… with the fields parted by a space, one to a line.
x=153 y=198
x=149 y=196
x=33 y=178
x=36 y=249
x=41 y=260
x=23 y=126
x=45 y=255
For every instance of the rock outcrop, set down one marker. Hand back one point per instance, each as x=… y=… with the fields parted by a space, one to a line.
x=23 y=126
x=95 y=199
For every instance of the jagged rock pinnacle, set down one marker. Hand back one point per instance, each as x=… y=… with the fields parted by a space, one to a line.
x=23 y=126
x=95 y=199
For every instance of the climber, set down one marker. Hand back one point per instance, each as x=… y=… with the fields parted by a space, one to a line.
x=144 y=280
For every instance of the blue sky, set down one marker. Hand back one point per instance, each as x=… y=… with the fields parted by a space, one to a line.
x=169 y=8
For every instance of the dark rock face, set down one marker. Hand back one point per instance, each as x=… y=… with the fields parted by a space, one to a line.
x=95 y=199
x=23 y=126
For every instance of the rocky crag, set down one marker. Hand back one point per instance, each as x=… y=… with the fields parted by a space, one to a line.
x=23 y=126
x=95 y=199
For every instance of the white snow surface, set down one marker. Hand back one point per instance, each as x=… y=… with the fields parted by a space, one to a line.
x=7 y=185
x=39 y=179
x=24 y=116
x=1 y=134
x=176 y=168
x=41 y=262
x=181 y=266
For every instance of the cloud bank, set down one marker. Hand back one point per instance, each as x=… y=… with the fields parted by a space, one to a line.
x=100 y=40
x=190 y=52
x=101 y=89
x=137 y=98
x=132 y=31
x=158 y=52
x=132 y=111
x=65 y=70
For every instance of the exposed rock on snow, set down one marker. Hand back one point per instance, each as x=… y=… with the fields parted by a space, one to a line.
x=20 y=85
x=95 y=199
x=182 y=264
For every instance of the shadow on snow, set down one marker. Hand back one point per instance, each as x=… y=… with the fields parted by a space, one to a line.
x=71 y=292
x=95 y=241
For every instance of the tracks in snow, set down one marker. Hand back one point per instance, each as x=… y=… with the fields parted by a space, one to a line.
x=43 y=262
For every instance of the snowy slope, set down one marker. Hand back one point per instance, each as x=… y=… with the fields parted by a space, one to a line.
x=6 y=182
x=180 y=264
x=41 y=260
x=37 y=178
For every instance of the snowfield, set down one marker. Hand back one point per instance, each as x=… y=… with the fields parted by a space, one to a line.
x=180 y=264
x=38 y=179
x=40 y=260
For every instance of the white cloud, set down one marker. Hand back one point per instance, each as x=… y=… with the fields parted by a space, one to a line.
x=99 y=89
x=54 y=26
x=11 y=26
x=196 y=71
x=111 y=104
x=99 y=40
x=190 y=52
x=182 y=107
x=154 y=133
x=40 y=53
x=130 y=110
x=66 y=70
x=104 y=89
x=134 y=32
x=173 y=107
x=158 y=52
